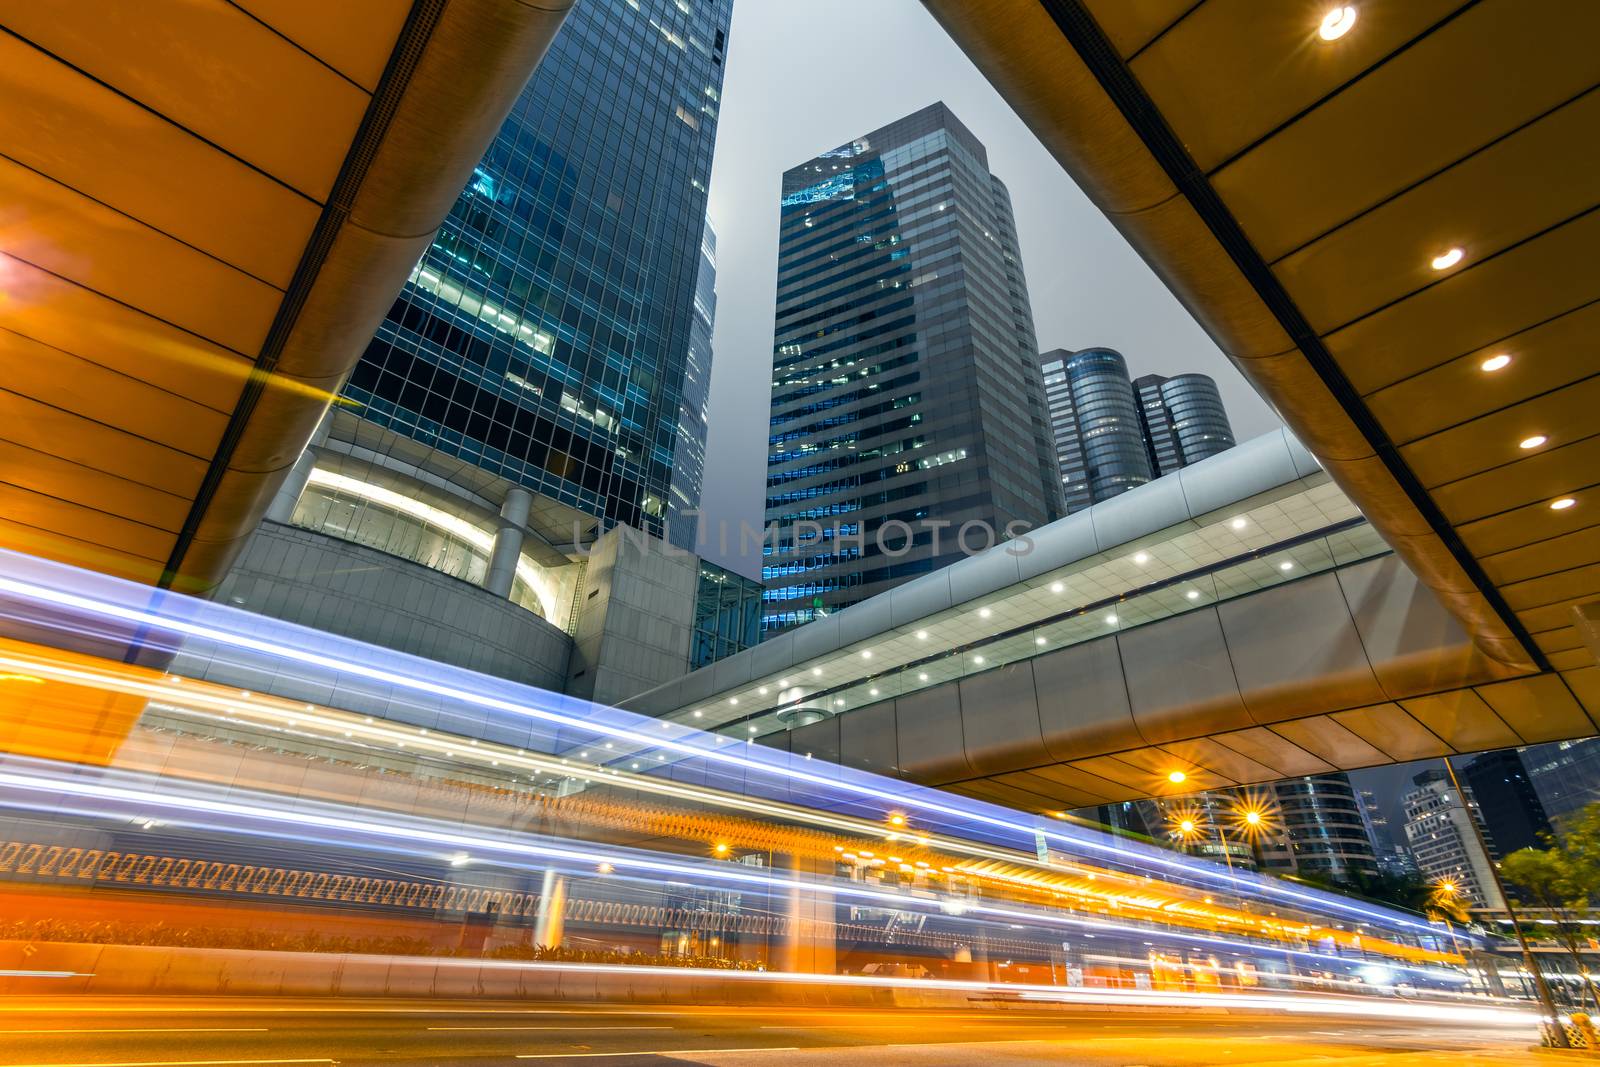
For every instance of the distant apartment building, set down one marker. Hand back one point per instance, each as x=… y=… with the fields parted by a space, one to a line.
x=908 y=416
x=1441 y=837
x=1113 y=434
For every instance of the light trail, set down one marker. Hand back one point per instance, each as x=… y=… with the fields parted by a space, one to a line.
x=917 y=798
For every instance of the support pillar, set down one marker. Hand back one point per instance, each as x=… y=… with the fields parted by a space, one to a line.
x=282 y=509
x=810 y=941
x=508 y=542
x=549 y=922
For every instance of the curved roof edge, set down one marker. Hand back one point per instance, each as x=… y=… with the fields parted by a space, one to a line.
x=454 y=73
x=1023 y=48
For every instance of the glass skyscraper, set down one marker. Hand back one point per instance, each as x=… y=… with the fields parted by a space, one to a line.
x=1094 y=415
x=1182 y=420
x=1113 y=434
x=906 y=396
x=689 y=461
x=544 y=336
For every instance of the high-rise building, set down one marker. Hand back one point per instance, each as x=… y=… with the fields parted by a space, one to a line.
x=1565 y=776
x=908 y=418
x=1094 y=415
x=1113 y=434
x=1507 y=801
x=1327 y=831
x=1394 y=860
x=689 y=459
x=1182 y=420
x=544 y=335
x=1440 y=835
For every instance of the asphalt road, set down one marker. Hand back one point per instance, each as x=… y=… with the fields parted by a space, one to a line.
x=71 y=1032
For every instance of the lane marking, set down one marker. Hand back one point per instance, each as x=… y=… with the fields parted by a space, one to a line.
x=147 y=1030
x=660 y=1052
x=551 y=1029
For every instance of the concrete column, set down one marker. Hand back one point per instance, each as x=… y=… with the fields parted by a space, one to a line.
x=549 y=921
x=282 y=509
x=810 y=942
x=508 y=542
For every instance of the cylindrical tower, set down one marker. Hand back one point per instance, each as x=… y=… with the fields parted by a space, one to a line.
x=1108 y=422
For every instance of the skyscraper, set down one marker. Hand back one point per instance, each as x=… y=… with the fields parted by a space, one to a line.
x=1094 y=415
x=906 y=400
x=1112 y=434
x=1182 y=420
x=1441 y=838
x=1324 y=824
x=1507 y=801
x=1565 y=775
x=689 y=460
x=544 y=335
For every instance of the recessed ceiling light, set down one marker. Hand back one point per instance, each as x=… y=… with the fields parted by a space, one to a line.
x=984 y=613
x=866 y=653
x=1446 y=260
x=1286 y=566
x=762 y=690
x=1563 y=504
x=1193 y=594
x=816 y=670
x=733 y=700
x=1337 y=23
x=1494 y=363
x=1141 y=557
x=1039 y=641
x=698 y=713
x=874 y=692
x=838 y=702
x=1111 y=620
x=1177 y=777
x=1532 y=442
x=922 y=635
x=752 y=729
x=1056 y=587
x=1237 y=524
x=977 y=659
x=923 y=677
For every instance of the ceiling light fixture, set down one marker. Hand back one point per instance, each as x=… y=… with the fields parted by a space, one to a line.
x=1286 y=566
x=1141 y=557
x=1237 y=524
x=1563 y=504
x=1111 y=620
x=984 y=613
x=922 y=635
x=1337 y=23
x=1056 y=587
x=1446 y=260
x=1193 y=594
x=1494 y=363
x=1532 y=442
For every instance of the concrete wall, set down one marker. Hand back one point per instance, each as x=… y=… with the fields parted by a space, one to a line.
x=346 y=589
x=634 y=618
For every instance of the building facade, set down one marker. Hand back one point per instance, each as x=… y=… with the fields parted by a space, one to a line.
x=1565 y=776
x=689 y=458
x=1181 y=419
x=1325 y=827
x=544 y=335
x=1442 y=840
x=1394 y=860
x=1094 y=416
x=1507 y=801
x=908 y=416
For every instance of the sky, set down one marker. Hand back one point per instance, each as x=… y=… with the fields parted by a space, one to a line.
x=804 y=77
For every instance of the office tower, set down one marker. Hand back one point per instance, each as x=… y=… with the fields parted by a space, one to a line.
x=543 y=337
x=689 y=459
x=1565 y=777
x=1440 y=835
x=1182 y=420
x=1394 y=860
x=1327 y=832
x=529 y=385
x=1094 y=415
x=1507 y=801
x=906 y=400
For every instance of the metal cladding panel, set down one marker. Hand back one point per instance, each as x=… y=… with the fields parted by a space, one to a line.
x=1219 y=759
x=978 y=576
x=1063 y=795
x=731 y=673
x=692 y=688
x=1539 y=708
x=920 y=598
x=1585 y=685
x=1180 y=679
x=1330 y=741
x=1083 y=700
x=861 y=622
x=1064 y=541
x=1080 y=781
x=1296 y=651
x=1243 y=471
x=820 y=741
x=867 y=739
x=1463 y=720
x=1305 y=464
x=1000 y=719
x=1412 y=643
x=1393 y=732
x=770 y=657
x=928 y=728
x=1270 y=750
x=815 y=638
x=1139 y=512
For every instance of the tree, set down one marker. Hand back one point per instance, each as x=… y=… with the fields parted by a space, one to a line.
x=1565 y=879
